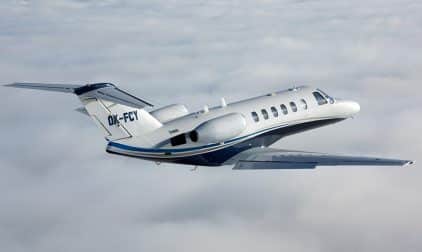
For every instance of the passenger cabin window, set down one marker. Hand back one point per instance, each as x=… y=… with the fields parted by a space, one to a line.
x=255 y=116
x=274 y=111
x=293 y=106
x=178 y=140
x=303 y=104
x=320 y=99
x=284 y=109
x=264 y=114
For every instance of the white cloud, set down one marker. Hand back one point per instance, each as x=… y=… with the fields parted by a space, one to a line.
x=59 y=191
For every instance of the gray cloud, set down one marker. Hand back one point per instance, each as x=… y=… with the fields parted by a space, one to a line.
x=59 y=190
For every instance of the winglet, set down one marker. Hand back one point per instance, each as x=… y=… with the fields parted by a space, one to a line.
x=410 y=162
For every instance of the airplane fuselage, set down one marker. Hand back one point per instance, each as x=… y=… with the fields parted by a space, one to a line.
x=212 y=137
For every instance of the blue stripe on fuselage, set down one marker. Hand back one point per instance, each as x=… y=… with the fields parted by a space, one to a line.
x=154 y=150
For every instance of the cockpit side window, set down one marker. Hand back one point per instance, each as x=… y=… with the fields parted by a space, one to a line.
x=320 y=99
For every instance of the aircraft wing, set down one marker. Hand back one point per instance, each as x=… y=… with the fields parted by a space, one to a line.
x=261 y=159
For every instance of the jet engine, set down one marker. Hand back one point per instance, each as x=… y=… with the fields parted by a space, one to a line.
x=219 y=129
x=170 y=112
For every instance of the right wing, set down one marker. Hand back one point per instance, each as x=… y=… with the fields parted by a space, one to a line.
x=266 y=158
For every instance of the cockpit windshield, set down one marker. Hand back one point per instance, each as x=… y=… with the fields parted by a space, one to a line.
x=329 y=98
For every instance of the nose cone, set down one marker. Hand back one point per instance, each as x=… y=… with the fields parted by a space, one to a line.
x=352 y=107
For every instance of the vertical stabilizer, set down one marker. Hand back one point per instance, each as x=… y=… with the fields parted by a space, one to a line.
x=119 y=121
x=117 y=113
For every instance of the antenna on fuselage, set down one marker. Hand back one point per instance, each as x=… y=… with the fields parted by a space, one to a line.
x=223 y=102
x=294 y=88
x=206 y=109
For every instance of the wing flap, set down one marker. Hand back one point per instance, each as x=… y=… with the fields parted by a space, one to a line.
x=271 y=165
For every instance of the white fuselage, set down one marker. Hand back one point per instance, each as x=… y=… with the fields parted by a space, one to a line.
x=261 y=115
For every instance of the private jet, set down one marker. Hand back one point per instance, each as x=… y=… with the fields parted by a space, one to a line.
x=238 y=134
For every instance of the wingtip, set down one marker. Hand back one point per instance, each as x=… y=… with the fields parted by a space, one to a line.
x=409 y=162
x=9 y=85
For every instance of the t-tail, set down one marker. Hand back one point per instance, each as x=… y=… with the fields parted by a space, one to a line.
x=117 y=113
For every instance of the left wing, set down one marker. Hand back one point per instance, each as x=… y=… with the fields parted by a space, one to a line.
x=261 y=159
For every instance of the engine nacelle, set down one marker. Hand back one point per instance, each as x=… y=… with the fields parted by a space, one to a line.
x=219 y=129
x=170 y=112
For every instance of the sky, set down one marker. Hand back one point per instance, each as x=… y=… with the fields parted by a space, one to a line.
x=60 y=190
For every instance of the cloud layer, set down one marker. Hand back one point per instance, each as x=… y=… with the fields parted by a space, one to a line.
x=59 y=190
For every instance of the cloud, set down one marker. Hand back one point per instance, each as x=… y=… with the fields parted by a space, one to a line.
x=59 y=190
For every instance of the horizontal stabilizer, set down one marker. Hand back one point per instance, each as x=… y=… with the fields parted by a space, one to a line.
x=117 y=113
x=104 y=91
x=65 y=88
